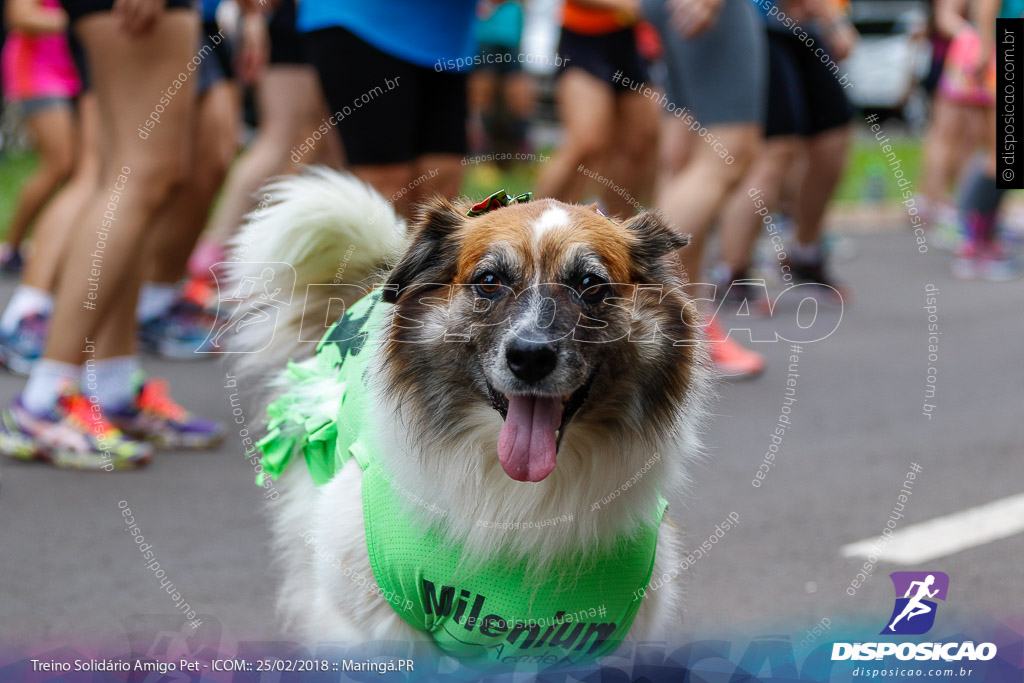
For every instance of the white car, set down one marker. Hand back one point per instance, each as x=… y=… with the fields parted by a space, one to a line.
x=893 y=54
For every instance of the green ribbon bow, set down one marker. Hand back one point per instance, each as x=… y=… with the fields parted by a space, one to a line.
x=291 y=432
x=498 y=200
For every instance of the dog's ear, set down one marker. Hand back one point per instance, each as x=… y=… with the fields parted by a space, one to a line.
x=654 y=238
x=431 y=252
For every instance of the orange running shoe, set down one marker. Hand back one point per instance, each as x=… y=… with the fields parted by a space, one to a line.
x=156 y=417
x=729 y=358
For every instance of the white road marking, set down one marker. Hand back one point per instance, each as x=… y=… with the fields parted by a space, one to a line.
x=947 y=534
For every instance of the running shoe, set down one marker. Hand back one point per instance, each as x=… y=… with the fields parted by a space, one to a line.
x=155 y=417
x=729 y=358
x=202 y=293
x=815 y=272
x=74 y=435
x=989 y=262
x=735 y=286
x=180 y=333
x=20 y=349
x=947 y=233
x=837 y=248
x=11 y=260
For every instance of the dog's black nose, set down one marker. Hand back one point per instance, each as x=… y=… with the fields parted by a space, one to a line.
x=530 y=361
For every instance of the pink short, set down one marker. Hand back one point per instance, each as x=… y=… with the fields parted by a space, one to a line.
x=959 y=82
x=37 y=66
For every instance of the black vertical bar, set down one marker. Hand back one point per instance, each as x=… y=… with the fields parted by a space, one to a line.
x=1009 y=104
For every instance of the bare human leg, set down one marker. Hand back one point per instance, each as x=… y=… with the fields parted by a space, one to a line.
x=51 y=419
x=693 y=198
x=741 y=222
x=586 y=106
x=632 y=165
x=826 y=159
x=289 y=102
x=130 y=77
x=61 y=215
x=52 y=131
x=215 y=135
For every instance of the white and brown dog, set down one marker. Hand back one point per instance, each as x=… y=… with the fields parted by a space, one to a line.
x=523 y=364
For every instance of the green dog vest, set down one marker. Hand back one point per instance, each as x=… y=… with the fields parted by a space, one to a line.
x=496 y=613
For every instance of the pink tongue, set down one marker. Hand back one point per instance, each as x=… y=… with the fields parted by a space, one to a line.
x=526 y=445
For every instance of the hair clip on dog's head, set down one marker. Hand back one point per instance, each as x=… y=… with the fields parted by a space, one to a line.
x=501 y=199
x=497 y=201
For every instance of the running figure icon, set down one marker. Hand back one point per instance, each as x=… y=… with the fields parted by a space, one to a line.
x=257 y=299
x=916 y=596
x=255 y=311
x=915 y=606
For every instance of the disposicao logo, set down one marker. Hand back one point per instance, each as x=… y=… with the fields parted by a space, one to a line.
x=913 y=615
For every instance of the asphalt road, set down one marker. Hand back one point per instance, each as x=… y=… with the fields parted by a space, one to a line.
x=69 y=572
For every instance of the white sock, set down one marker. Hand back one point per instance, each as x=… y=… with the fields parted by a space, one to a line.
x=25 y=301
x=45 y=382
x=112 y=381
x=806 y=253
x=155 y=299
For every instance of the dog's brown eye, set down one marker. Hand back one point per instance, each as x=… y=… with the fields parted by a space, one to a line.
x=488 y=284
x=592 y=288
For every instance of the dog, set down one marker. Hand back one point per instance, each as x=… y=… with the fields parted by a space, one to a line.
x=490 y=431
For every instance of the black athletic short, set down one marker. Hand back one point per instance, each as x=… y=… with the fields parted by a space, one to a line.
x=78 y=57
x=603 y=55
x=804 y=97
x=388 y=110
x=286 y=44
x=77 y=9
x=221 y=51
x=216 y=64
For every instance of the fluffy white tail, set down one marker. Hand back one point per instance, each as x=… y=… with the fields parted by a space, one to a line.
x=317 y=236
